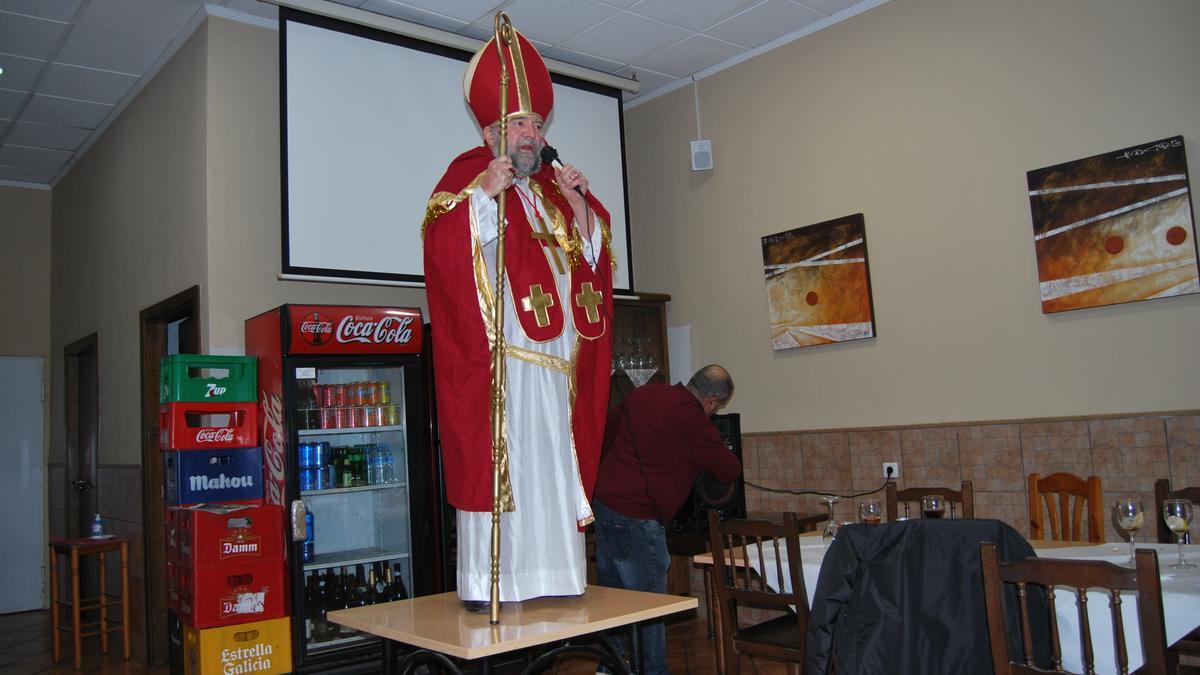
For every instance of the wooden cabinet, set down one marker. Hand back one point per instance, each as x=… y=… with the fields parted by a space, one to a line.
x=641 y=317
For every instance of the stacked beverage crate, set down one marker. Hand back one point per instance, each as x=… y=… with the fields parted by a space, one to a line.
x=226 y=573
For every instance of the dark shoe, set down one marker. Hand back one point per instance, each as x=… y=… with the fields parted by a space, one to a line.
x=477 y=606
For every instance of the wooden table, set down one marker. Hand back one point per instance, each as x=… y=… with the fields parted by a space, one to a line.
x=440 y=625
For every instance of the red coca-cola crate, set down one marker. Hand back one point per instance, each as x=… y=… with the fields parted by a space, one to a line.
x=211 y=535
x=207 y=426
x=207 y=597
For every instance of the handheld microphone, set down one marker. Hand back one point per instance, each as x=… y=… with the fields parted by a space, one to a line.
x=550 y=156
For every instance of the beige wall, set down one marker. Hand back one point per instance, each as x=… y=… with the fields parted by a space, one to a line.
x=25 y=271
x=129 y=231
x=243 y=192
x=924 y=115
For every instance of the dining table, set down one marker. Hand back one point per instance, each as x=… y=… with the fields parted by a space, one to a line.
x=1180 y=590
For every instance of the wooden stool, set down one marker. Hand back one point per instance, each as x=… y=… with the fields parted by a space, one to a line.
x=76 y=548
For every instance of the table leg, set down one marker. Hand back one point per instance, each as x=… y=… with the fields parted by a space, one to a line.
x=635 y=649
x=125 y=595
x=103 y=603
x=75 y=619
x=389 y=655
x=54 y=616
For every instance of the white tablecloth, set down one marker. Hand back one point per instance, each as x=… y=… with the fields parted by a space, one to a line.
x=1181 y=605
x=1180 y=588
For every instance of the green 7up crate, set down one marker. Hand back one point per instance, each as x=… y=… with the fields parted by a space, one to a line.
x=200 y=378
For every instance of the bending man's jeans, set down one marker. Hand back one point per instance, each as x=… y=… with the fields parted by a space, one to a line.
x=631 y=553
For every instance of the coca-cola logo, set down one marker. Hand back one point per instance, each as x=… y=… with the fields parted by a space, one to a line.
x=215 y=435
x=274 y=446
x=315 y=329
x=369 y=330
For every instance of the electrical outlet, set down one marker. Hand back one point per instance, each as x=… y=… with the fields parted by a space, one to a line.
x=891 y=469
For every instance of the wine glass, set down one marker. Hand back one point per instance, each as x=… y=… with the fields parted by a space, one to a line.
x=869 y=512
x=1178 y=515
x=933 y=506
x=830 y=530
x=1129 y=518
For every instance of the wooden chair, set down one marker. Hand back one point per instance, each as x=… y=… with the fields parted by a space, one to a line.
x=736 y=545
x=963 y=497
x=1163 y=492
x=1189 y=644
x=1080 y=575
x=1064 y=496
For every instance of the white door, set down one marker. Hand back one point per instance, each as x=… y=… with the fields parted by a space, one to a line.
x=22 y=485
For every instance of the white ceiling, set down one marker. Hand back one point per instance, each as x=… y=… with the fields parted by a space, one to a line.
x=71 y=66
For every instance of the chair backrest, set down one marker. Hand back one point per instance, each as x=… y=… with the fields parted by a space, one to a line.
x=1163 y=492
x=739 y=547
x=1045 y=574
x=961 y=501
x=1059 y=500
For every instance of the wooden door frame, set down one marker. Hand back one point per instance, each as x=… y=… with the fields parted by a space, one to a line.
x=71 y=353
x=153 y=322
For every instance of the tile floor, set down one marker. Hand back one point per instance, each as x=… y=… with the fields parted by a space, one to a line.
x=25 y=648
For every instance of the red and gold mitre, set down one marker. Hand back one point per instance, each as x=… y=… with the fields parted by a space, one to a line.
x=530 y=91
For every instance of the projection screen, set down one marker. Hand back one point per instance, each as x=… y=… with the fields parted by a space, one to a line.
x=370 y=120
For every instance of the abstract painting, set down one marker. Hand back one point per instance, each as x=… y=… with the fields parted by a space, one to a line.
x=818 y=284
x=1114 y=228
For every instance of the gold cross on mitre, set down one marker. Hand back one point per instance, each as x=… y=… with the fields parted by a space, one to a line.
x=539 y=303
x=589 y=298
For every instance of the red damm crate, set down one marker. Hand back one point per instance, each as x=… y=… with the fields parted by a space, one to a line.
x=211 y=535
x=208 y=597
x=207 y=426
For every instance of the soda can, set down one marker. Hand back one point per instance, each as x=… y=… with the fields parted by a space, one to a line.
x=306 y=451
x=338 y=398
x=328 y=418
x=309 y=479
x=344 y=417
x=318 y=395
x=373 y=416
x=382 y=393
x=393 y=414
x=321 y=454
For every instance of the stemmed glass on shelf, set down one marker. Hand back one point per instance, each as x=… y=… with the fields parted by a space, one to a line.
x=1129 y=518
x=1178 y=515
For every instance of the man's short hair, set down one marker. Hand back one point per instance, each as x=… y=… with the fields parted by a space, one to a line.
x=712 y=380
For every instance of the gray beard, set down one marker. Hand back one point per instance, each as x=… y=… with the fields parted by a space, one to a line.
x=524 y=164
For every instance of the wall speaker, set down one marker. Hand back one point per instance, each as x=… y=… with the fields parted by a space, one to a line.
x=702 y=157
x=728 y=499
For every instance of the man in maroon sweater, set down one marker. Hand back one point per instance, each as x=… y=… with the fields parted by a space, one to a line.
x=655 y=444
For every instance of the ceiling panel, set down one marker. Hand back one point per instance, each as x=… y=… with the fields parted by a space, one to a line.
x=58 y=10
x=45 y=136
x=553 y=21
x=162 y=19
x=415 y=15
x=87 y=84
x=585 y=60
x=466 y=11
x=262 y=9
x=27 y=36
x=33 y=158
x=19 y=72
x=828 y=6
x=693 y=54
x=111 y=50
x=766 y=22
x=66 y=112
x=626 y=37
x=19 y=174
x=696 y=15
x=10 y=103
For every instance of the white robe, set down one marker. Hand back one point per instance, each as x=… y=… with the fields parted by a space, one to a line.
x=541 y=547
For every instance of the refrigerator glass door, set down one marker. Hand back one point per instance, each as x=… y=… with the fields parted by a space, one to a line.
x=352 y=458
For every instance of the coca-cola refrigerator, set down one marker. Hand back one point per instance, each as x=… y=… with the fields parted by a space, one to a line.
x=345 y=408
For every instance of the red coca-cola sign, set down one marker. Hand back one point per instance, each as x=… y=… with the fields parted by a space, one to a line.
x=329 y=329
x=215 y=435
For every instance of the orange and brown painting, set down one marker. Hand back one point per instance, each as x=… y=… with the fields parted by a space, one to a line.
x=1114 y=228
x=818 y=284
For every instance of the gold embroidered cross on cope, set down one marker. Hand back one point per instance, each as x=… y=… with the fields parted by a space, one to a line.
x=538 y=303
x=542 y=232
x=589 y=298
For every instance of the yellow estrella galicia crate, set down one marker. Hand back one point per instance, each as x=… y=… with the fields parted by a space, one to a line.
x=255 y=647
